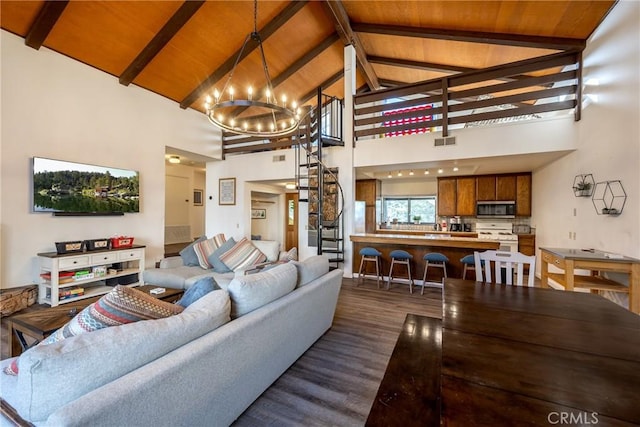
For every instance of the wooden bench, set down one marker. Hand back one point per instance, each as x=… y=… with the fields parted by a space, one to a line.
x=409 y=393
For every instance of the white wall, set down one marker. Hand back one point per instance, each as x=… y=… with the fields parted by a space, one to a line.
x=609 y=147
x=196 y=180
x=55 y=107
x=248 y=170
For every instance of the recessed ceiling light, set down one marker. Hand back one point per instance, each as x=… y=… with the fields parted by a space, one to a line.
x=174 y=159
x=290 y=186
x=439 y=170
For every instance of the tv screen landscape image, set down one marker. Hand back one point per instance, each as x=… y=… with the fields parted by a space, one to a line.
x=67 y=187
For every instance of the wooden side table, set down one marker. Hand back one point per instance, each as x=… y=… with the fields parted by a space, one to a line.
x=28 y=329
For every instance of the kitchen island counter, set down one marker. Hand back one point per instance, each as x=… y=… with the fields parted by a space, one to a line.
x=453 y=248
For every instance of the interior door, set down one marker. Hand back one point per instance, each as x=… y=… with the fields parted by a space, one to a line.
x=291 y=221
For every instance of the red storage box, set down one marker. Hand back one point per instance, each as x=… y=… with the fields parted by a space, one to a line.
x=121 y=242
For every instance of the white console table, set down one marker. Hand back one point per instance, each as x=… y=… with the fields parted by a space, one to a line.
x=52 y=264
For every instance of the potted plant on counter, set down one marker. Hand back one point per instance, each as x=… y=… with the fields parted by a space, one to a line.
x=416 y=219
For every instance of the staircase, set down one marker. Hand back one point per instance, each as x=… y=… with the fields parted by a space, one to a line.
x=318 y=183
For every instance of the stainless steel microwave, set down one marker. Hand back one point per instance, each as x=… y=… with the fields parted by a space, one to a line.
x=497 y=209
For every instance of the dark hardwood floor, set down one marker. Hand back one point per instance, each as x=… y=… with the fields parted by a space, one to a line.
x=335 y=381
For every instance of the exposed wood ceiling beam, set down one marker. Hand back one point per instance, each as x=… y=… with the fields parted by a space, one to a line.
x=336 y=10
x=556 y=43
x=427 y=66
x=289 y=11
x=313 y=93
x=301 y=62
x=44 y=22
x=159 y=41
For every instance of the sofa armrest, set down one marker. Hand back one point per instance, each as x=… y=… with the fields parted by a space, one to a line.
x=171 y=262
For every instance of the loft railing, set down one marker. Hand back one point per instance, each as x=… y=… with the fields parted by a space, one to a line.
x=331 y=119
x=520 y=90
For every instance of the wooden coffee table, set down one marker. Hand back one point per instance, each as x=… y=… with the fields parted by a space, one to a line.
x=28 y=329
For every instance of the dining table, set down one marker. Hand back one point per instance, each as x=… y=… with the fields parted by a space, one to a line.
x=514 y=355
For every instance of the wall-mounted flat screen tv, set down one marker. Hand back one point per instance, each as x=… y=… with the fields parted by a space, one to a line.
x=71 y=188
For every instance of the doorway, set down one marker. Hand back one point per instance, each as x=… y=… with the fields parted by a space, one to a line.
x=291 y=221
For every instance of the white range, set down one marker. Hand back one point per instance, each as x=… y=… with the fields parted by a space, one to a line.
x=500 y=231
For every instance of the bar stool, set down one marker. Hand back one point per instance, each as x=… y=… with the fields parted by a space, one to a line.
x=434 y=259
x=400 y=257
x=369 y=254
x=468 y=264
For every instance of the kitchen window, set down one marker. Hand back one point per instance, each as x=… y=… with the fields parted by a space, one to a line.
x=404 y=209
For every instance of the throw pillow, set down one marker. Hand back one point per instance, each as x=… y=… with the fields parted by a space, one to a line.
x=197 y=291
x=290 y=255
x=188 y=254
x=243 y=255
x=205 y=248
x=214 y=258
x=120 y=306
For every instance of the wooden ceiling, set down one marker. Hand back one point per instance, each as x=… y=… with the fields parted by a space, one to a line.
x=182 y=50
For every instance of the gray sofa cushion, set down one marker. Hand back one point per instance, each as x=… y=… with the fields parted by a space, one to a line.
x=172 y=277
x=311 y=268
x=188 y=254
x=255 y=290
x=56 y=374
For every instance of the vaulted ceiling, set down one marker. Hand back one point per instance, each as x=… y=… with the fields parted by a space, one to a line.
x=183 y=49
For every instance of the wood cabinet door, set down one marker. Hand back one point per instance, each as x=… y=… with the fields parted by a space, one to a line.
x=370 y=219
x=366 y=190
x=486 y=187
x=506 y=187
x=447 y=196
x=466 y=196
x=527 y=244
x=523 y=195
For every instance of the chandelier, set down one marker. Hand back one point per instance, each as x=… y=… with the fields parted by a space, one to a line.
x=274 y=119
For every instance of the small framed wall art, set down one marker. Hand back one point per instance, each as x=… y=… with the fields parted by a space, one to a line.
x=258 y=213
x=227 y=191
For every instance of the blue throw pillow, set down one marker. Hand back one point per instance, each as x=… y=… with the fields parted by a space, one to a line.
x=214 y=258
x=188 y=254
x=197 y=291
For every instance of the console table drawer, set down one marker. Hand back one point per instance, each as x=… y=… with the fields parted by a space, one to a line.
x=129 y=255
x=104 y=258
x=553 y=260
x=74 y=262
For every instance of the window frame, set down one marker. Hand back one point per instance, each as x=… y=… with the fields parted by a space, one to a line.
x=409 y=213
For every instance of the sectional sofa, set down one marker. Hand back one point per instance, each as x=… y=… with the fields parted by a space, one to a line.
x=194 y=368
x=173 y=272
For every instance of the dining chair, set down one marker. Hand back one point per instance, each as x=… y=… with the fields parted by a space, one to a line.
x=504 y=262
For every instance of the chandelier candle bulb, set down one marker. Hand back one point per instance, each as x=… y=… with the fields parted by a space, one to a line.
x=288 y=118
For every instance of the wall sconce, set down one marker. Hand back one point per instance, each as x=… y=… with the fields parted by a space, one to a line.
x=174 y=159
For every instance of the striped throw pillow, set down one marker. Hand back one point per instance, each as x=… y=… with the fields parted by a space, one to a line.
x=243 y=255
x=120 y=306
x=205 y=248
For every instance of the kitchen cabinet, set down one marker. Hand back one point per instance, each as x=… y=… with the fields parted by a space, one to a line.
x=458 y=196
x=527 y=244
x=447 y=195
x=506 y=187
x=523 y=194
x=466 y=196
x=368 y=190
x=486 y=187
